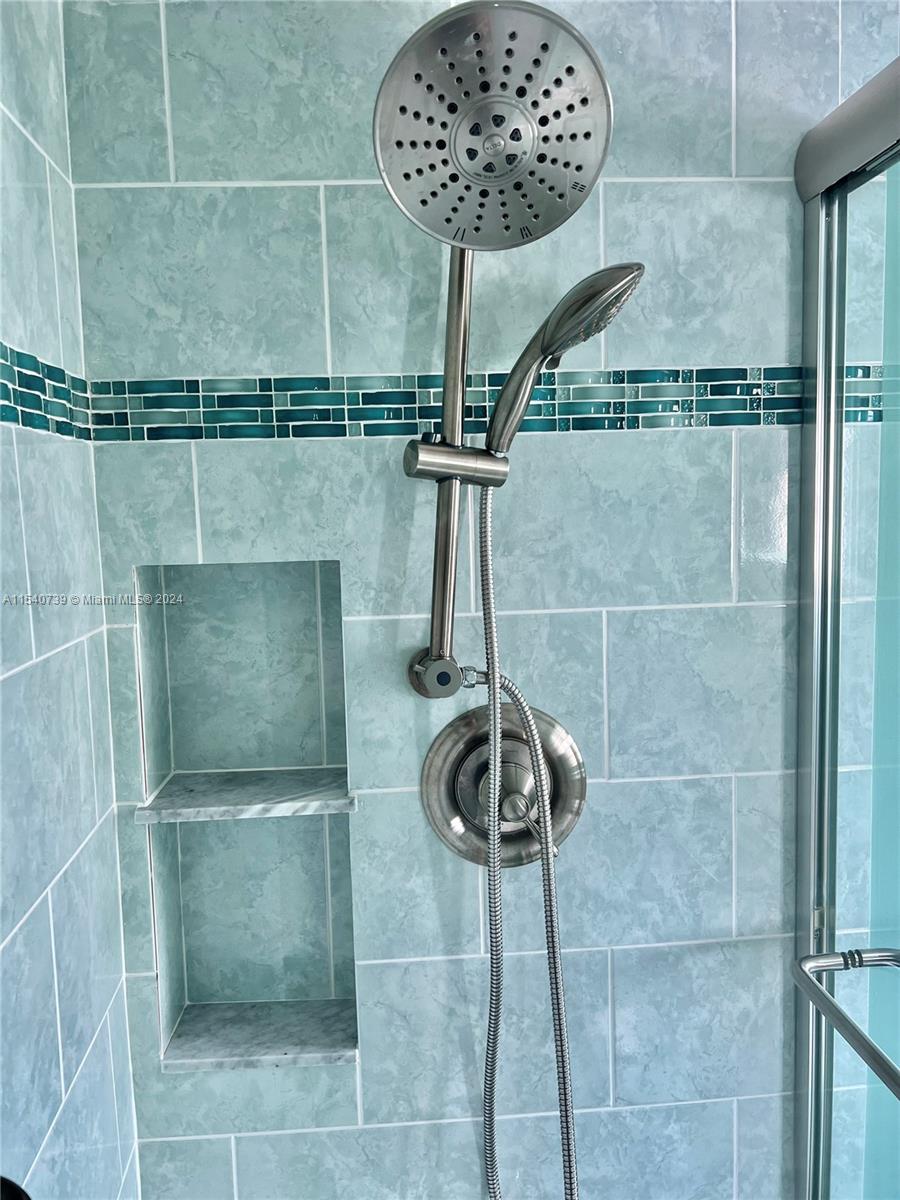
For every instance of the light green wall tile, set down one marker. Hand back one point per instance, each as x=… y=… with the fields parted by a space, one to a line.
x=117 y=119
x=870 y=39
x=166 y=867
x=63 y=209
x=98 y=683
x=31 y=70
x=126 y=731
x=15 y=619
x=198 y=1169
x=332 y=634
x=205 y=259
x=342 y=935
x=137 y=913
x=154 y=679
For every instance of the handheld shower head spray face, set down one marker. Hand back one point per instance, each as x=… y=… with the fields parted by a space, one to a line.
x=584 y=311
x=492 y=124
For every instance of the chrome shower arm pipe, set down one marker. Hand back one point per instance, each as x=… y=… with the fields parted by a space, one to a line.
x=456 y=344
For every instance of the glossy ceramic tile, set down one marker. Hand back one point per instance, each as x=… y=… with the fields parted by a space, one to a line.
x=60 y=536
x=505 y=313
x=229 y=795
x=237 y=70
x=25 y=242
x=765 y=1149
x=413 y=896
x=851 y=990
x=633 y=521
x=31 y=65
x=153 y=670
x=866 y=250
x=253 y=901
x=126 y=732
x=62 y=205
x=206 y=1102
x=663 y=1153
x=854 y=849
x=328 y=500
x=389 y=729
x=765 y=839
x=145 y=507
x=419 y=1162
x=861 y=466
x=332 y=634
x=279 y=1033
x=169 y=932
x=787 y=79
x=129 y=1189
x=48 y=801
x=408 y=1074
x=121 y=1067
x=15 y=619
x=98 y=684
x=343 y=952
x=702 y=1021
x=117 y=119
x=750 y=234
x=198 y=1169
x=870 y=38
x=769 y=474
x=849 y=1142
x=31 y=1089
x=855 y=687
x=693 y=691
x=84 y=1142
x=206 y=257
x=667 y=121
x=387 y=294
x=244 y=666
x=134 y=866
x=647 y=862
x=86 y=926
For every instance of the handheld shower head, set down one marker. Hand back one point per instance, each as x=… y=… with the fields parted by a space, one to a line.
x=584 y=311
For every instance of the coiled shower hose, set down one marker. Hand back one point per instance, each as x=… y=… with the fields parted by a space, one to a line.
x=498 y=683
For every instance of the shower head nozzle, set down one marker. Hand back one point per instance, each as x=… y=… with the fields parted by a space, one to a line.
x=584 y=311
x=492 y=124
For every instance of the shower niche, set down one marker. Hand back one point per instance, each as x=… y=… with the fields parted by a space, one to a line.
x=241 y=690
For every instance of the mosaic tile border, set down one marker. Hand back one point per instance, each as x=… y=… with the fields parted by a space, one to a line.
x=41 y=396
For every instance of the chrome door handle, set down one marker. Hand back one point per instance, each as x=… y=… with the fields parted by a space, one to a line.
x=804 y=972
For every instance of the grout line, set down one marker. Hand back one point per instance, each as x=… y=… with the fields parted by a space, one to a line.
x=62 y=870
x=112 y=1066
x=187 y=998
x=167 y=91
x=687 y=606
x=139 y=679
x=68 y=1093
x=162 y=576
x=143 y=184
x=32 y=662
x=55 y=260
x=323 y=732
x=329 y=930
x=735 y=516
x=360 y=1116
x=59 y=1036
x=611 y=1029
x=734 y=89
x=734 y=857
x=598 y=780
x=65 y=83
x=734 y=1150
x=90 y=714
x=40 y=149
x=607 y=749
x=112 y=747
x=126 y=1169
x=234 y=1176
x=326 y=299
x=196 y=483
x=124 y=992
x=34 y=654
x=65 y=92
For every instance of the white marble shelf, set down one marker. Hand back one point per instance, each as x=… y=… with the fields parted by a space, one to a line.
x=279 y=1033
x=227 y=795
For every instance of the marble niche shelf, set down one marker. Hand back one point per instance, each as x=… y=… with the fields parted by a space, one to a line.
x=226 y=795
x=277 y=1033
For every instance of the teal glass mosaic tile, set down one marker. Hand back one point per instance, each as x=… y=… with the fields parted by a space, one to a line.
x=42 y=396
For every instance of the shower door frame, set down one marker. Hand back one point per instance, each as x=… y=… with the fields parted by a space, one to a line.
x=849 y=147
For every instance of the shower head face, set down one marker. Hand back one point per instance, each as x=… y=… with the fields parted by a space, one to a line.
x=492 y=124
x=588 y=308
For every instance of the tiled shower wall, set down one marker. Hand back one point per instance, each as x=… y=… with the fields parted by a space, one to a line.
x=230 y=222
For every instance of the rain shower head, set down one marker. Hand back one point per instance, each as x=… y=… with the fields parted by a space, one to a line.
x=492 y=124
x=584 y=311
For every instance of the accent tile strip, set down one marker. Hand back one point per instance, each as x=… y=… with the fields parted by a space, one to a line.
x=42 y=396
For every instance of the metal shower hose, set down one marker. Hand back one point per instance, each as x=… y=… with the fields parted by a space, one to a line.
x=498 y=683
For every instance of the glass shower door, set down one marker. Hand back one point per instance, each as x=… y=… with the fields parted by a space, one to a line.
x=865 y=1141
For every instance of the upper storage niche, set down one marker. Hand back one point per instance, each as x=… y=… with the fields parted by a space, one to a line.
x=242 y=690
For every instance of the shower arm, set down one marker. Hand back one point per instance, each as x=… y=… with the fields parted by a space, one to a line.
x=433 y=671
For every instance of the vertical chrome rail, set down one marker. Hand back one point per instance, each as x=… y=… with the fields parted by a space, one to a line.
x=434 y=671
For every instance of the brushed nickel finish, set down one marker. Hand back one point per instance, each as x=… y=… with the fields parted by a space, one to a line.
x=437 y=460
x=492 y=124
x=454 y=787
